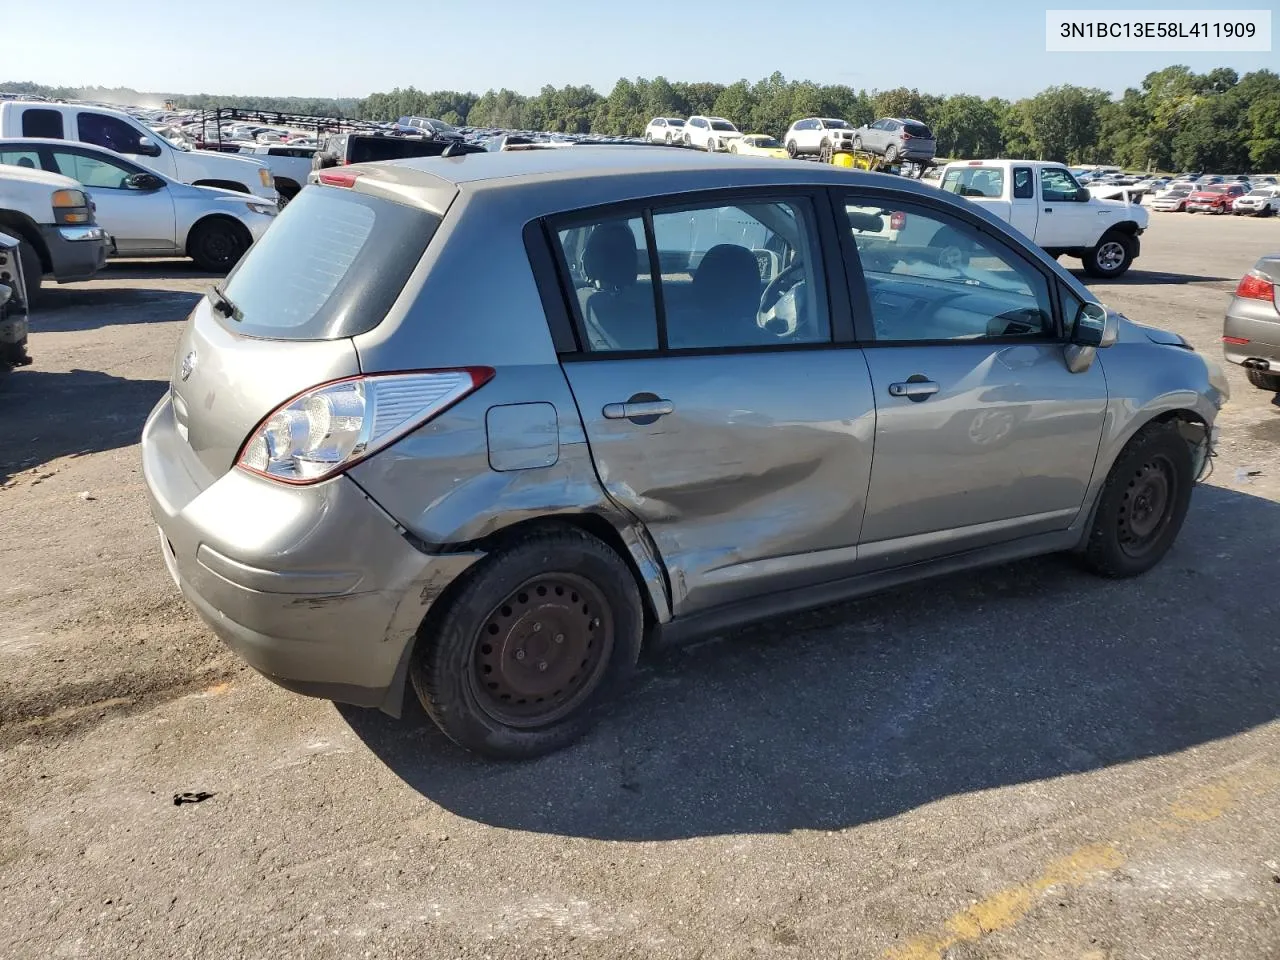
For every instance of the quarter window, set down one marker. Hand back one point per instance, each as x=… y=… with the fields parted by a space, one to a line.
x=42 y=123
x=20 y=158
x=736 y=275
x=932 y=277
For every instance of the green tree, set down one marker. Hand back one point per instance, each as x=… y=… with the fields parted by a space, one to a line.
x=967 y=126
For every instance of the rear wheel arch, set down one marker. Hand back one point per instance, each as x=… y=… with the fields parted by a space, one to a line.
x=287 y=188
x=217 y=220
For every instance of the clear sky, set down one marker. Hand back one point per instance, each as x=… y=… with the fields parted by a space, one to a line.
x=337 y=48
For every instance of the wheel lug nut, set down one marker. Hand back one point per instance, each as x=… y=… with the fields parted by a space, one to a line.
x=519 y=654
x=542 y=666
x=559 y=638
x=537 y=627
x=595 y=622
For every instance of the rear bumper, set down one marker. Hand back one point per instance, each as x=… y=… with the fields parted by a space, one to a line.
x=1258 y=322
x=312 y=586
x=75 y=253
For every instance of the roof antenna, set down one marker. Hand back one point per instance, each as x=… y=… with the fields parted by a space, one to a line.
x=452 y=150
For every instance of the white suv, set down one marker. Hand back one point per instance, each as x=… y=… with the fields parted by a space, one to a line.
x=819 y=135
x=710 y=133
x=665 y=130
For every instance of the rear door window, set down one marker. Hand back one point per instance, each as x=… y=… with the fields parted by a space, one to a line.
x=331 y=266
x=42 y=123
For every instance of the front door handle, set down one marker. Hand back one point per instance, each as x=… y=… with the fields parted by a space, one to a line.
x=916 y=390
x=1048 y=209
x=638 y=411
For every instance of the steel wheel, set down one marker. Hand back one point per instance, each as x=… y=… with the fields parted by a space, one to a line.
x=1111 y=255
x=1147 y=505
x=542 y=651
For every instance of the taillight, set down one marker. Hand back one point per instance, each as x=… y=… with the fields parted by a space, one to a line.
x=70 y=207
x=1254 y=286
x=906 y=136
x=332 y=427
x=897 y=220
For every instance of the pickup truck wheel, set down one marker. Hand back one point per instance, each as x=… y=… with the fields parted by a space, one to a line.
x=1262 y=379
x=32 y=269
x=1142 y=504
x=544 y=632
x=1110 y=258
x=217 y=245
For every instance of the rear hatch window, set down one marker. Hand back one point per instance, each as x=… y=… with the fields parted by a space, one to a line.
x=330 y=266
x=369 y=149
x=918 y=130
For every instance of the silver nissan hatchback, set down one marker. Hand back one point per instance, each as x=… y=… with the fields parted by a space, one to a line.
x=485 y=425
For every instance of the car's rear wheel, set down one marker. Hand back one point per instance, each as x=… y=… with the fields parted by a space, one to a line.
x=792 y=149
x=1262 y=379
x=217 y=245
x=890 y=153
x=1112 y=256
x=668 y=138
x=544 y=632
x=857 y=143
x=1143 y=503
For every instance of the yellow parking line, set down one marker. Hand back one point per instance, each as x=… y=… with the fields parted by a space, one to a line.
x=1004 y=908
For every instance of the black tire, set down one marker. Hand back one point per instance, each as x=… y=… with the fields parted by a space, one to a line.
x=490 y=716
x=890 y=153
x=32 y=268
x=1262 y=379
x=217 y=245
x=668 y=138
x=792 y=150
x=857 y=143
x=1110 y=258
x=1142 y=505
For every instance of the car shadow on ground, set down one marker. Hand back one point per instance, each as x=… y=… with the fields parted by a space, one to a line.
x=866 y=710
x=86 y=307
x=50 y=415
x=176 y=269
x=1151 y=278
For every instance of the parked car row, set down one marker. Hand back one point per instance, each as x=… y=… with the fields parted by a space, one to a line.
x=894 y=138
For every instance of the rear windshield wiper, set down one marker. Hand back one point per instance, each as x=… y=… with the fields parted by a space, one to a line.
x=223 y=305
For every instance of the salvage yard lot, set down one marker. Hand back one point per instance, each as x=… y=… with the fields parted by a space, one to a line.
x=1018 y=763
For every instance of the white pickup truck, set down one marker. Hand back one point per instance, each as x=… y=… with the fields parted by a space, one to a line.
x=118 y=131
x=1044 y=202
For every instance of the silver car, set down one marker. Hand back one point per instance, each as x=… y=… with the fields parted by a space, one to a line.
x=486 y=425
x=1251 y=330
x=146 y=213
x=897 y=138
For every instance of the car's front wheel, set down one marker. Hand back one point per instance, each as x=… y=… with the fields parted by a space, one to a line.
x=1143 y=503
x=217 y=245
x=1112 y=256
x=542 y=633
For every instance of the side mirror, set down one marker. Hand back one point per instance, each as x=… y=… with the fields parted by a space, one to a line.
x=1083 y=195
x=1095 y=326
x=143 y=181
x=146 y=148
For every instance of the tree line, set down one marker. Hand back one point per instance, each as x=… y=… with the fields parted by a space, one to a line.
x=1175 y=120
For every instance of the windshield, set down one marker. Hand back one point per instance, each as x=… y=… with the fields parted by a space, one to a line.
x=441 y=127
x=176 y=144
x=764 y=142
x=722 y=125
x=1260 y=193
x=675 y=123
x=1214 y=189
x=918 y=130
x=836 y=124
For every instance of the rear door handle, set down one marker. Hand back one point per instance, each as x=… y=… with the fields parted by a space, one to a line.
x=916 y=390
x=643 y=410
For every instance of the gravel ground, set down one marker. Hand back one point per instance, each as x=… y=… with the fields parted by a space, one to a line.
x=1022 y=763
